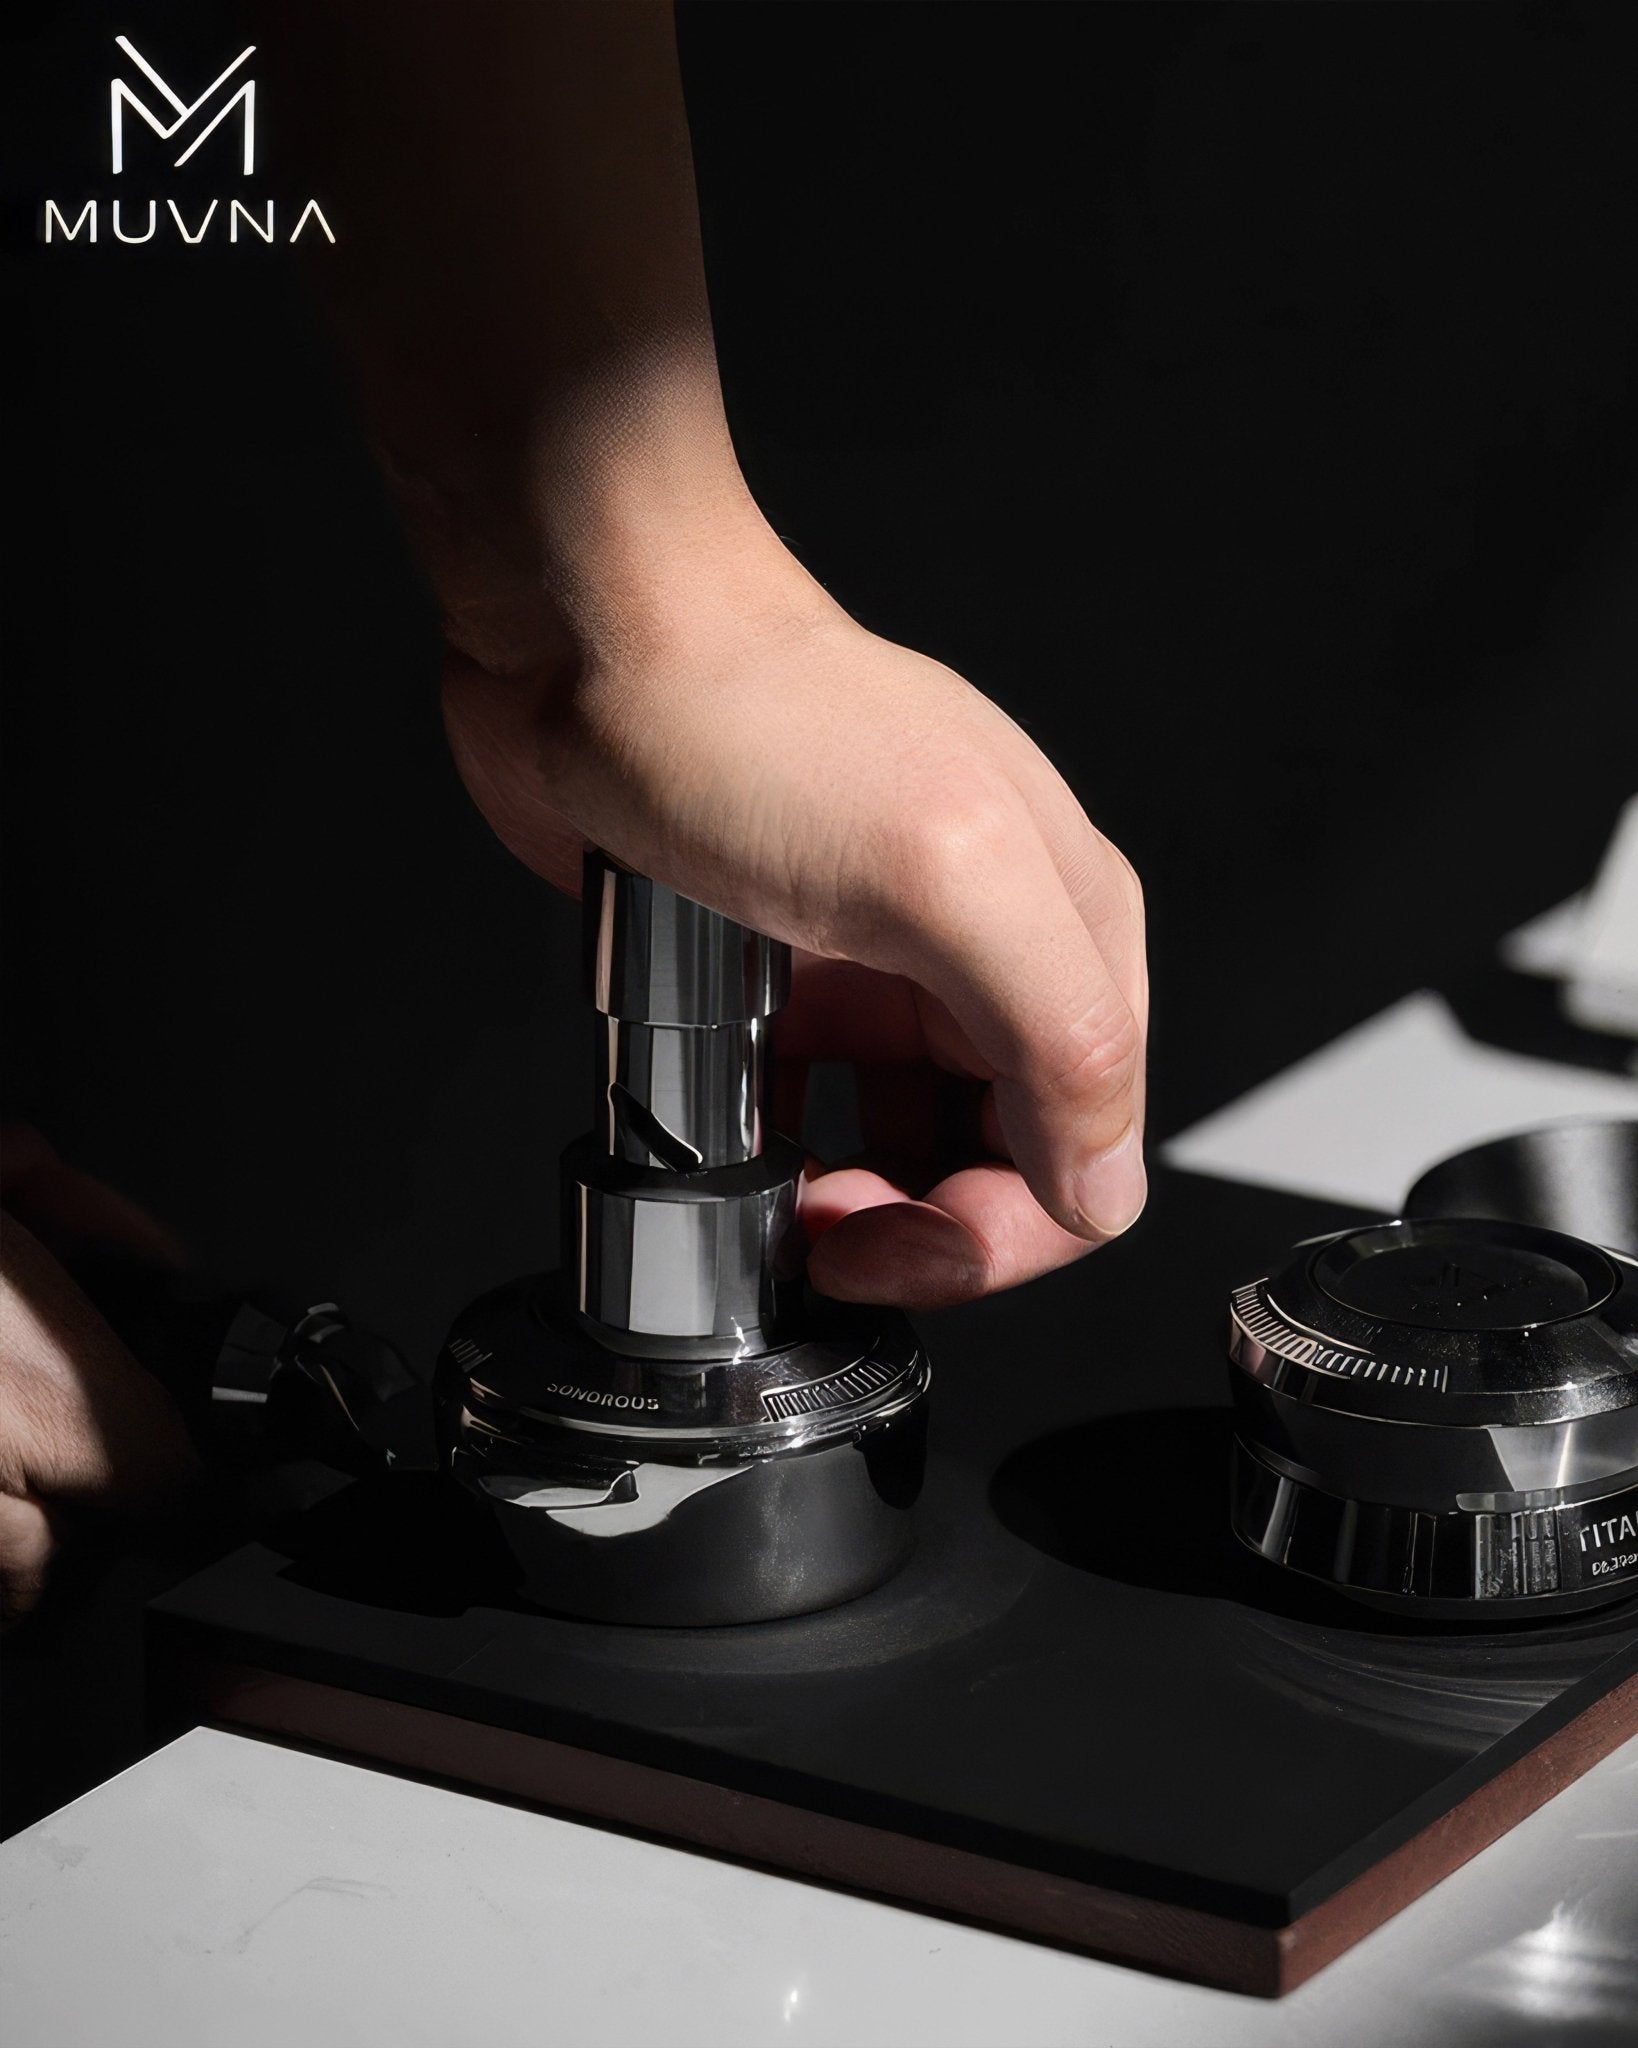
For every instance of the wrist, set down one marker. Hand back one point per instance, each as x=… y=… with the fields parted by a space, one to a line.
x=638 y=577
x=614 y=521
x=641 y=561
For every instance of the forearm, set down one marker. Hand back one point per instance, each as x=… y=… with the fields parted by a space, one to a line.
x=522 y=287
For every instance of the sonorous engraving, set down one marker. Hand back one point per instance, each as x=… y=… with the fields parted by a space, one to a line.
x=648 y=1403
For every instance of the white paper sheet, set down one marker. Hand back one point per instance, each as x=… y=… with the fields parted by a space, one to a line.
x=1603 y=988
x=1360 y=1119
x=1590 y=941
x=1546 y=945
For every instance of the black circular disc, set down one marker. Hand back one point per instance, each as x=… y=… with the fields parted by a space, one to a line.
x=1436 y=1275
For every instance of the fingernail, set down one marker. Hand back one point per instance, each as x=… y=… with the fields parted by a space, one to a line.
x=1111 y=1188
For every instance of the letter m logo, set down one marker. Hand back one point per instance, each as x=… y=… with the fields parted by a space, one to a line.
x=120 y=96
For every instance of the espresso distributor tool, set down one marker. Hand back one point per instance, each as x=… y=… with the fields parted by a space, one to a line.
x=672 y=1428
x=1440 y=1414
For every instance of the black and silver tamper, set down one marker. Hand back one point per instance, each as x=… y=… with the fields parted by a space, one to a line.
x=1440 y=1415
x=671 y=1428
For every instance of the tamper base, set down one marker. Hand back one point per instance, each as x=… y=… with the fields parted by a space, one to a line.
x=687 y=1492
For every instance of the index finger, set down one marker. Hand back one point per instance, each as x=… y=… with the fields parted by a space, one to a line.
x=977 y=913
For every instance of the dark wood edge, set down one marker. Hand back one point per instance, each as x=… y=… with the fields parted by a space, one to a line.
x=1180 y=1940
x=1416 y=1866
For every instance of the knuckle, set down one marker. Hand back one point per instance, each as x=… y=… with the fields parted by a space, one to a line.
x=971 y=829
x=917 y=872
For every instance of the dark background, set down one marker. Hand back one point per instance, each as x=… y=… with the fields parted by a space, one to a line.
x=1242 y=395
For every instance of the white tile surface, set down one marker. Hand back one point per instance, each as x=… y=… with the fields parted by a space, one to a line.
x=1358 y=1120
x=231 y=1893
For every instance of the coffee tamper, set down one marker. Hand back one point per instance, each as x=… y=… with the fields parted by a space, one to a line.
x=671 y=1428
x=1440 y=1415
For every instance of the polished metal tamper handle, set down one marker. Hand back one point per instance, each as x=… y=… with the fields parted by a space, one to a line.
x=671 y=1428
x=680 y=1207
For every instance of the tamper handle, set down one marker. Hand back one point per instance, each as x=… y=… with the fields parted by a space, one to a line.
x=654 y=957
x=685 y=994
x=680 y=1207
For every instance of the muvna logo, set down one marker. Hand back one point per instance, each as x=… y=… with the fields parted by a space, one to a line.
x=193 y=122
x=120 y=96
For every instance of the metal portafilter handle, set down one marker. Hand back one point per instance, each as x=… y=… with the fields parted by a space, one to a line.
x=679 y=1206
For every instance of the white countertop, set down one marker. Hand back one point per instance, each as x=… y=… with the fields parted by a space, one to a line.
x=233 y=1893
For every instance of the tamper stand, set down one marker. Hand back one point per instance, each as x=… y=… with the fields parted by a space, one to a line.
x=672 y=1428
x=1440 y=1415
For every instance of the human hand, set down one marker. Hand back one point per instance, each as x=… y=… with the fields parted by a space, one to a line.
x=641 y=664
x=731 y=732
x=81 y=1423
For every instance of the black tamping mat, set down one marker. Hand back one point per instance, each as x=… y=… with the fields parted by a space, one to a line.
x=1081 y=1712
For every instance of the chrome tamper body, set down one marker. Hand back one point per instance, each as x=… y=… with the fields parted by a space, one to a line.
x=1440 y=1415
x=671 y=1428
